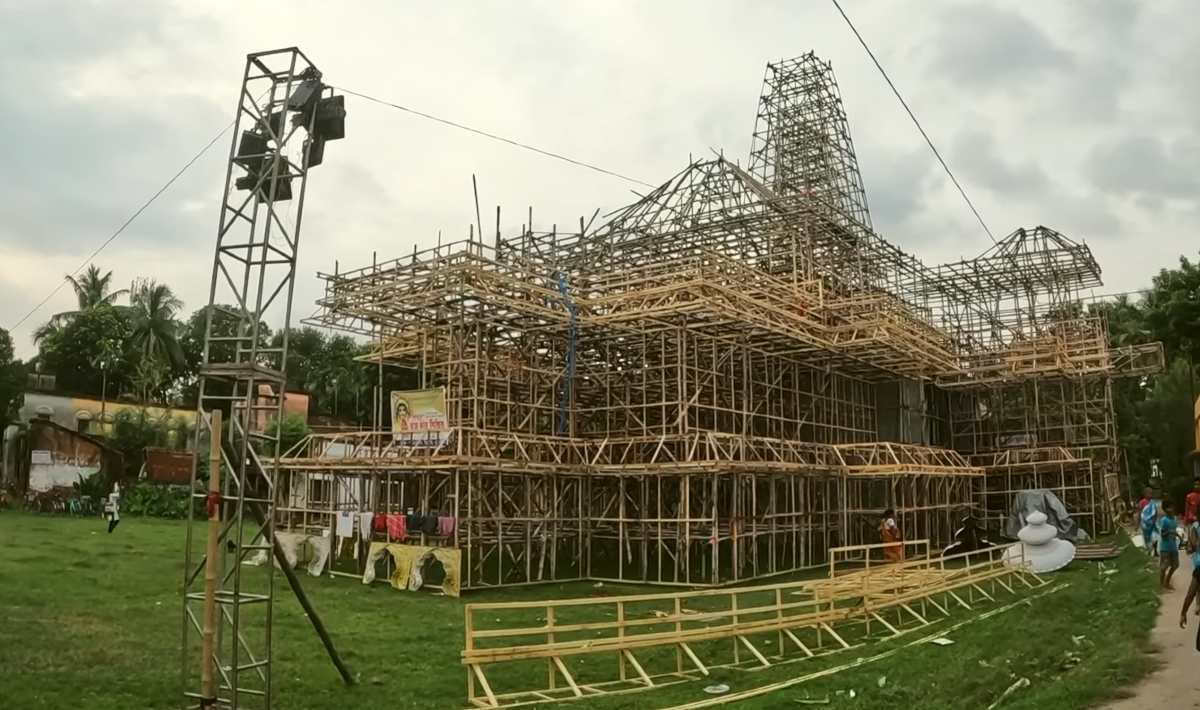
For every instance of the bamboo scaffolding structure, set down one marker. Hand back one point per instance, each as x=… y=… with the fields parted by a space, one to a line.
x=725 y=378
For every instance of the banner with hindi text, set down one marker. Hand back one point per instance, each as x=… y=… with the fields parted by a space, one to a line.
x=419 y=416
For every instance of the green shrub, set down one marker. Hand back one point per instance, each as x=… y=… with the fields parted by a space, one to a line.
x=95 y=486
x=294 y=429
x=153 y=501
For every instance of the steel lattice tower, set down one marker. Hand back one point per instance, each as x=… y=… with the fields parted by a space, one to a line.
x=277 y=137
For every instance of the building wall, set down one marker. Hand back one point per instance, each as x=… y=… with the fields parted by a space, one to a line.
x=67 y=411
x=59 y=457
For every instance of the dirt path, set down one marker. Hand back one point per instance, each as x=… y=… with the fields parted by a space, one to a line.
x=1177 y=683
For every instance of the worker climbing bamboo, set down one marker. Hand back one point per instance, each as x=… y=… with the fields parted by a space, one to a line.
x=889 y=535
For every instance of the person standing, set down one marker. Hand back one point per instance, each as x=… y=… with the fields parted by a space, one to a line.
x=112 y=507
x=1148 y=515
x=1168 y=546
x=1147 y=494
x=1191 y=504
x=889 y=535
x=1193 y=545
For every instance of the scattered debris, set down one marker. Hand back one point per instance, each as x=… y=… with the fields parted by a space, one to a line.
x=1096 y=552
x=882 y=681
x=812 y=701
x=1078 y=640
x=941 y=641
x=1020 y=683
x=717 y=689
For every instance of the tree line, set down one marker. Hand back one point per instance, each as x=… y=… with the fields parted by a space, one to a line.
x=136 y=344
x=1154 y=415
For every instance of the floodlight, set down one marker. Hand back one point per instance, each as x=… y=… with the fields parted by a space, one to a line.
x=331 y=118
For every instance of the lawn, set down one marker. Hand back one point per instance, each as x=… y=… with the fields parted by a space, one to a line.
x=93 y=620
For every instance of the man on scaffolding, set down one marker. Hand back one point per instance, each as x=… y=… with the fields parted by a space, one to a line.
x=889 y=535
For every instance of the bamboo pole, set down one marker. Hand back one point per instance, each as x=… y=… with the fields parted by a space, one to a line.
x=208 y=678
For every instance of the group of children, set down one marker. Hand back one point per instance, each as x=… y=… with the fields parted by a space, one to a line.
x=1161 y=531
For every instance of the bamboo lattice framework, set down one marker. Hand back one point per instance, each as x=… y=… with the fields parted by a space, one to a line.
x=688 y=391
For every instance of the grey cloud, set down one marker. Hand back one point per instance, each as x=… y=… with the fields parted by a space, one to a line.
x=897 y=184
x=977 y=157
x=987 y=47
x=1145 y=165
x=63 y=145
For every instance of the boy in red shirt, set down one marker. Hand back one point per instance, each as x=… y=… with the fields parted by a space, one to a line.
x=1191 y=504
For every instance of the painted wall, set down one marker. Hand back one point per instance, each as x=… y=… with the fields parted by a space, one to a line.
x=60 y=458
x=66 y=411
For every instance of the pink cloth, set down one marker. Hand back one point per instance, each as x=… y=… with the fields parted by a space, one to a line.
x=397 y=527
x=446 y=526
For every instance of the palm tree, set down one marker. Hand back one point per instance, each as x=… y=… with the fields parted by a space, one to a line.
x=91 y=291
x=152 y=309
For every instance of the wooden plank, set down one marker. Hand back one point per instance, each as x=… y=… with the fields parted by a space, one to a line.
x=880 y=619
x=761 y=658
x=562 y=668
x=638 y=667
x=796 y=640
x=829 y=630
x=687 y=650
x=487 y=687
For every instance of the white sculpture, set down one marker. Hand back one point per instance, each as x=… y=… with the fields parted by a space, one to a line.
x=1040 y=546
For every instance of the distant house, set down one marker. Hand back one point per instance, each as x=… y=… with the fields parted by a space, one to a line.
x=293 y=403
x=48 y=455
x=87 y=415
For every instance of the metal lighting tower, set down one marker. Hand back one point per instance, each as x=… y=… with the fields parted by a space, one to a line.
x=284 y=116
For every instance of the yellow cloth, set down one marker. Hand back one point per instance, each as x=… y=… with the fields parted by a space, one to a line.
x=406 y=557
x=451 y=559
x=408 y=560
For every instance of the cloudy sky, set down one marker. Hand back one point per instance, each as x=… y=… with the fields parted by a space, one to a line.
x=1080 y=115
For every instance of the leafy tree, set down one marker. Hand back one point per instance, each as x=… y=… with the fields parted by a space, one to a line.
x=1154 y=414
x=293 y=430
x=91 y=290
x=12 y=382
x=191 y=342
x=134 y=430
x=1172 y=309
x=305 y=346
x=152 y=316
x=327 y=369
x=70 y=353
x=1168 y=409
x=334 y=376
x=151 y=378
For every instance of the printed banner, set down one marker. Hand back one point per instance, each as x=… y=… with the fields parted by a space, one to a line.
x=419 y=416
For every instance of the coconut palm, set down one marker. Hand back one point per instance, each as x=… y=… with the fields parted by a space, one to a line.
x=152 y=309
x=91 y=290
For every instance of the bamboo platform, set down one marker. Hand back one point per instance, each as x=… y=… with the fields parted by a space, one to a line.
x=601 y=646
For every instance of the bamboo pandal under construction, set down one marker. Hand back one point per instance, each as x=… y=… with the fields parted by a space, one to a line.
x=725 y=378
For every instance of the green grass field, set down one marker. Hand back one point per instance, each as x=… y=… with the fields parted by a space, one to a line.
x=93 y=620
